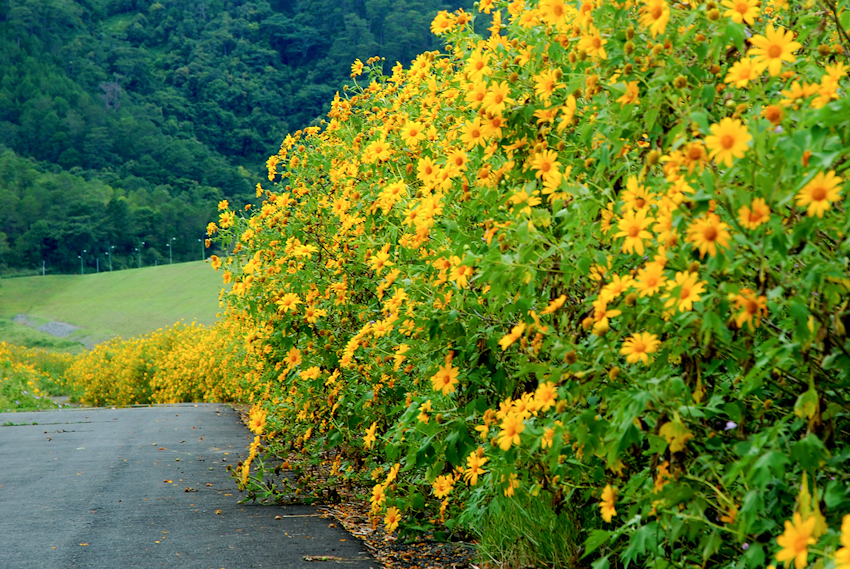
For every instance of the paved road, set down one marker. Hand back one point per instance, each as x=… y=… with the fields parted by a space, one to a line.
x=105 y=488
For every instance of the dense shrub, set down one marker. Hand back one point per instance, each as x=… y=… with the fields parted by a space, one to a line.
x=592 y=258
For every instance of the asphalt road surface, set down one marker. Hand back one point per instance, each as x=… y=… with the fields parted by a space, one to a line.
x=107 y=488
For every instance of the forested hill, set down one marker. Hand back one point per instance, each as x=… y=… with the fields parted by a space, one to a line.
x=125 y=121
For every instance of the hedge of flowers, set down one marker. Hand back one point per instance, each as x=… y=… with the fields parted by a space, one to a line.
x=594 y=256
x=176 y=364
x=28 y=377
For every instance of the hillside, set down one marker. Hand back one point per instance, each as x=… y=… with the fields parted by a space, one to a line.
x=124 y=122
x=126 y=303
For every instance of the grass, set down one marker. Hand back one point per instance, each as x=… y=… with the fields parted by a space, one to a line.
x=521 y=532
x=122 y=303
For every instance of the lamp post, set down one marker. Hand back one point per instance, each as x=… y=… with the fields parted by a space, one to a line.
x=139 y=249
x=170 y=257
x=82 y=270
x=111 y=247
x=203 y=249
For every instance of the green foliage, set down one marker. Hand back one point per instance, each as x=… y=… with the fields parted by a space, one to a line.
x=141 y=116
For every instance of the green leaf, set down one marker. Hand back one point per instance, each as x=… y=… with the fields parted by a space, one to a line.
x=594 y=540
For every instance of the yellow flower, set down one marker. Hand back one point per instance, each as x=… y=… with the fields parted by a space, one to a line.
x=554 y=12
x=513 y=336
x=650 y=279
x=391 y=519
x=497 y=97
x=655 y=15
x=443 y=485
x=742 y=10
x=633 y=227
x=842 y=556
x=637 y=347
x=773 y=48
x=631 y=95
x=445 y=379
x=593 y=44
x=742 y=72
x=606 y=503
x=795 y=541
x=752 y=307
x=289 y=302
x=689 y=290
x=755 y=214
x=707 y=233
x=545 y=396
x=257 y=419
x=554 y=305
x=443 y=23
x=819 y=193
x=511 y=427
x=412 y=133
x=356 y=68
x=474 y=463
x=727 y=140
x=477 y=67
x=370 y=436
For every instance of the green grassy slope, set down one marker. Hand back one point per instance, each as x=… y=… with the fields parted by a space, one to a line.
x=125 y=303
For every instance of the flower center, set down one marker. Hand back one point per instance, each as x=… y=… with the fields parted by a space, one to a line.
x=727 y=141
x=818 y=193
x=694 y=153
x=709 y=233
x=634 y=230
x=640 y=203
x=638 y=347
x=596 y=43
x=742 y=7
x=751 y=306
x=774 y=51
x=656 y=11
x=686 y=292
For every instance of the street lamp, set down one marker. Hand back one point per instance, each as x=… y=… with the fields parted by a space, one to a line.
x=82 y=270
x=170 y=258
x=139 y=249
x=110 y=257
x=203 y=249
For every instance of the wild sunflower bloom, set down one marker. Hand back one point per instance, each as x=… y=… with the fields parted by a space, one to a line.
x=707 y=233
x=445 y=379
x=606 y=503
x=472 y=134
x=554 y=12
x=742 y=10
x=497 y=98
x=554 y=305
x=512 y=336
x=474 y=463
x=650 y=279
x=795 y=541
x=593 y=44
x=511 y=427
x=742 y=72
x=752 y=306
x=477 y=66
x=257 y=419
x=443 y=485
x=356 y=68
x=370 y=437
x=289 y=302
x=755 y=214
x=630 y=97
x=392 y=519
x=655 y=15
x=412 y=133
x=689 y=291
x=842 y=556
x=637 y=347
x=819 y=193
x=633 y=227
x=727 y=140
x=776 y=46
